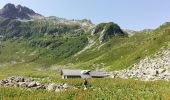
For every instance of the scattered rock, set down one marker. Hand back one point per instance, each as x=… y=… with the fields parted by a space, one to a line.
x=32 y=84
x=57 y=90
x=51 y=87
x=23 y=84
x=65 y=86
x=29 y=83
x=148 y=69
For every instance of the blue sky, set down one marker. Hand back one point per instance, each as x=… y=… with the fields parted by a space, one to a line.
x=129 y=14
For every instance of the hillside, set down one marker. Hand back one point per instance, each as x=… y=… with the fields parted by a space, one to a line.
x=54 y=41
x=48 y=40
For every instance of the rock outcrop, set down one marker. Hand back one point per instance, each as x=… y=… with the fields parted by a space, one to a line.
x=150 y=68
x=29 y=83
x=107 y=30
x=18 y=12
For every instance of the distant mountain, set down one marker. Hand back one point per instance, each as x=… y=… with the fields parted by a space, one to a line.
x=130 y=32
x=18 y=12
x=86 y=24
x=146 y=30
x=16 y=22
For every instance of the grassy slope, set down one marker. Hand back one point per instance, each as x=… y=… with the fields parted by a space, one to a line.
x=122 y=52
x=118 y=53
x=20 y=57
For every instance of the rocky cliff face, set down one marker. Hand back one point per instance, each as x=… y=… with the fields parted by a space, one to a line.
x=150 y=68
x=18 y=12
x=107 y=30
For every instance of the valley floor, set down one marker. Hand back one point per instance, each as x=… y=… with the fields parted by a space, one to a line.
x=98 y=89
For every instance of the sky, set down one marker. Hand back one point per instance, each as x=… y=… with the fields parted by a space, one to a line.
x=128 y=14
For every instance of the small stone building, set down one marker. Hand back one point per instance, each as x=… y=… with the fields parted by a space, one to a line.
x=76 y=73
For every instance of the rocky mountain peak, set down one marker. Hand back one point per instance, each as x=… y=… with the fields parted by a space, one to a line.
x=18 y=12
x=107 y=30
x=9 y=6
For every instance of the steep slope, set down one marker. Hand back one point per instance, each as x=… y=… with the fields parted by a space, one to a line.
x=10 y=28
x=122 y=52
x=155 y=67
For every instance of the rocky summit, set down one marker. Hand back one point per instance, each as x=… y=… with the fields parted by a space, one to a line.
x=107 y=30
x=18 y=12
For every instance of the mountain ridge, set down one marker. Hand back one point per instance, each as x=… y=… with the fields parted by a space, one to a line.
x=18 y=12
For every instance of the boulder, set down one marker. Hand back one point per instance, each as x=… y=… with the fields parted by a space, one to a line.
x=32 y=84
x=23 y=84
x=16 y=85
x=51 y=87
x=57 y=90
x=1 y=83
x=39 y=87
x=65 y=86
